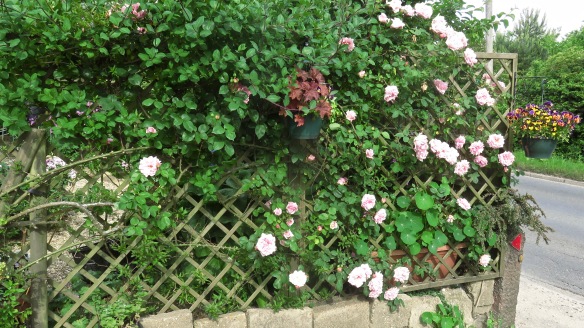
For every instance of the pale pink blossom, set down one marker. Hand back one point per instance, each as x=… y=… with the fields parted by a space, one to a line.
x=391 y=93
x=290 y=222
x=368 y=202
x=141 y=30
x=456 y=40
x=72 y=174
x=423 y=10
x=506 y=158
x=484 y=98
x=408 y=10
x=395 y=5
x=351 y=115
x=481 y=161
x=334 y=225
x=391 y=294
x=292 y=207
x=476 y=147
x=288 y=234
x=450 y=218
x=319 y=228
x=266 y=244
x=487 y=78
x=297 y=278
x=376 y=285
x=357 y=277
x=441 y=86
x=380 y=216
x=310 y=158
x=361 y=74
x=150 y=130
x=397 y=23
x=436 y=145
x=367 y=269
x=401 y=274
x=459 y=142
x=138 y=14
x=342 y=181
x=277 y=211
x=484 y=260
x=451 y=155
x=461 y=168
x=470 y=57
x=383 y=18
x=349 y=42
x=496 y=141
x=463 y=203
x=149 y=165
x=369 y=153
x=421 y=146
x=439 y=26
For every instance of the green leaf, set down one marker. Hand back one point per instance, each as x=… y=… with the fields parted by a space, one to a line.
x=361 y=247
x=403 y=201
x=135 y=79
x=260 y=130
x=147 y=102
x=424 y=201
x=273 y=98
x=433 y=218
x=469 y=231
x=426 y=317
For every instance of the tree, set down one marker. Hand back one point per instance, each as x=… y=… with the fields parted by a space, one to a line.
x=530 y=38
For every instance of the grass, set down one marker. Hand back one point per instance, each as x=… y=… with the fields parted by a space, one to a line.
x=555 y=165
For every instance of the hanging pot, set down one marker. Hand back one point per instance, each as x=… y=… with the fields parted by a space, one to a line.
x=309 y=130
x=538 y=148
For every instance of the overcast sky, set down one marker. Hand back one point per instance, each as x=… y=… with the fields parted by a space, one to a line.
x=565 y=14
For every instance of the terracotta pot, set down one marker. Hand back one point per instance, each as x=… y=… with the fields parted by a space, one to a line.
x=448 y=256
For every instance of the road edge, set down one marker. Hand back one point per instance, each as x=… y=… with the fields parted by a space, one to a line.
x=554 y=179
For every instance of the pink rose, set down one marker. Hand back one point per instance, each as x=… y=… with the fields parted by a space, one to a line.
x=277 y=211
x=334 y=225
x=368 y=202
x=149 y=165
x=401 y=274
x=391 y=294
x=292 y=207
x=484 y=98
x=391 y=93
x=423 y=10
x=395 y=5
x=349 y=42
x=459 y=142
x=357 y=277
x=470 y=57
x=463 y=203
x=150 y=130
x=367 y=270
x=421 y=146
x=439 y=26
x=397 y=23
x=298 y=278
x=290 y=222
x=319 y=228
x=506 y=158
x=441 y=86
x=461 y=167
x=266 y=244
x=342 y=181
x=361 y=74
x=380 y=216
x=476 y=148
x=484 y=260
x=310 y=158
x=376 y=285
x=141 y=30
x=288 y=234
x=456 y=40
x=369 y=153
x=481 y=161
x=451 y=155
x=408 y=10
x=383 y=18
x=351 y=115
x=450 y=218
x=496 y=141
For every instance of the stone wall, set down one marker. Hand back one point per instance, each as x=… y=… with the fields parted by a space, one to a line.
x=475 y=300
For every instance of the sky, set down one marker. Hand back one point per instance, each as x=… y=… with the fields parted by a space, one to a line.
x=565 y=14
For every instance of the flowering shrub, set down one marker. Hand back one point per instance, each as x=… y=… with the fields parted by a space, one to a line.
x=196 y=84
x=543 y=122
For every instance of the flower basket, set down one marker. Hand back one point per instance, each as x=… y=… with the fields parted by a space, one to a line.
x=309 y=130
x=538 y=148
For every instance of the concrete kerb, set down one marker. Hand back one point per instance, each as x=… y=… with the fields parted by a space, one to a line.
x=554 y=179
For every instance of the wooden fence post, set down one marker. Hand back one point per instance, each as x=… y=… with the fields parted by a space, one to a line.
x=38 y=238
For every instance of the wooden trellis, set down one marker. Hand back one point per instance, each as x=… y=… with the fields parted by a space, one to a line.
x=200 y=261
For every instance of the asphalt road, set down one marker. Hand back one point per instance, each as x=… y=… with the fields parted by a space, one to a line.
x=561 y=262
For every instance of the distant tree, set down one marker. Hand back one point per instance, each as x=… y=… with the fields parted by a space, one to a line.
x=530 y=39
